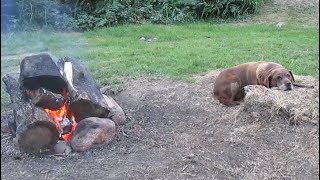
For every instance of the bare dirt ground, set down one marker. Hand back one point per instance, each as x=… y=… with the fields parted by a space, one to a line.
x=176 y=130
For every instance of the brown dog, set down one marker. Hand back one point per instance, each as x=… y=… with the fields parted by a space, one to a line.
x=230 y=83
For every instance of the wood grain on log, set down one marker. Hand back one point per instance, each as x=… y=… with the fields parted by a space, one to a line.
x=32 y=126
x=86 y=100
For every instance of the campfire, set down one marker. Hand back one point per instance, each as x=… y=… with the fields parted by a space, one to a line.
x=56 y=101
x=65 y=126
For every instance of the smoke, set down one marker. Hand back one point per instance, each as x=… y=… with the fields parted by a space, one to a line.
x=19 y=15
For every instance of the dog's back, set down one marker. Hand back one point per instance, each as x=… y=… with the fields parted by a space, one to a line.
x=228 y=86
x=245 y=72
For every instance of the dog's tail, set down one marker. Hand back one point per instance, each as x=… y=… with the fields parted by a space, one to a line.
x=302 y=85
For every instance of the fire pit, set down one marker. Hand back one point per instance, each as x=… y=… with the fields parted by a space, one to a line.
x=56 y=101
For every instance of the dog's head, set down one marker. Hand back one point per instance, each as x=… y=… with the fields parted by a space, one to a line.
x=281 y=78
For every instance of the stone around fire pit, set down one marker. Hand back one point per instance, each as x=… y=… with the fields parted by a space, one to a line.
x=116 y=113
x=92 y=130
x=62 y=147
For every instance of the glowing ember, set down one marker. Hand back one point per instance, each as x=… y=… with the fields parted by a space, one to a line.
x=57 y=116
x=67 y=136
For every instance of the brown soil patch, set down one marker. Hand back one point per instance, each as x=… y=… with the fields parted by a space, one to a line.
x=176 y=130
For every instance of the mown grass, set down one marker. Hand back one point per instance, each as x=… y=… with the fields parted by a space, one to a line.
x=187 y=49
x=179 y=52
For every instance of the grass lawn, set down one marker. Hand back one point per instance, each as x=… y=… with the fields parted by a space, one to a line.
x=179 y=51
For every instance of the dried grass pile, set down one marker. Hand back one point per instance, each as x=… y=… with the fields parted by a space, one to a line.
x=301 y=105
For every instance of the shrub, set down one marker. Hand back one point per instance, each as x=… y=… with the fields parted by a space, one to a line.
x=88 y=14
x=111 y=12
x=204 y=9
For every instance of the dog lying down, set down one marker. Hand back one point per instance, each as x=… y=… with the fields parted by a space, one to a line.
x=229 y=85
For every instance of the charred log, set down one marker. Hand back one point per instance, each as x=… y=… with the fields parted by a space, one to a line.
x=47 y=99
x=41 y=71
x=86 y=100
x=32 y=127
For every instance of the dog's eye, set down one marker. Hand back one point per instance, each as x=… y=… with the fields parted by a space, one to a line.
x=279 y=77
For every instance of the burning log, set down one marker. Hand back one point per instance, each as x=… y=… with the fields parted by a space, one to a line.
x=46 y=99
x=86 y=100
x=32 y=127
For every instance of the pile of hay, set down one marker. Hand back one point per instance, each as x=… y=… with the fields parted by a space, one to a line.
x=297 y=106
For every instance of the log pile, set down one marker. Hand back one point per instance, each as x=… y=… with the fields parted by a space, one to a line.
x=51 y=98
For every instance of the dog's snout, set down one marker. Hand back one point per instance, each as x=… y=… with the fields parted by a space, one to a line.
x=289 y=86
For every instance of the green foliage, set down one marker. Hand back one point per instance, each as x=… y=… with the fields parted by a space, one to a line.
x=204 y=9
x=108 y=13
x=169 y=11
x=111 y=12
x=43 y=14
x=89 y=14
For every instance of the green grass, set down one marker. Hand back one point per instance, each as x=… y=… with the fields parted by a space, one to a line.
x=183 y=50
x=180 y=51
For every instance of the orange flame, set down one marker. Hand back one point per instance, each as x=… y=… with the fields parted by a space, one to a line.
x=57 y=117
x=67 y=136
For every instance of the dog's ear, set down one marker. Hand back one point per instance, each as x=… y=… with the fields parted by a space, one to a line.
x=267 y=81
x=259 y=79
x=292 y=76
